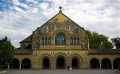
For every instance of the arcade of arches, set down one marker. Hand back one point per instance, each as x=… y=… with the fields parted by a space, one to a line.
x=62 y=61
x=59 y=43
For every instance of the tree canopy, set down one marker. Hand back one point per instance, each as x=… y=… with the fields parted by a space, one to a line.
x=116 y=42
x=99 y=41
x=6 y=51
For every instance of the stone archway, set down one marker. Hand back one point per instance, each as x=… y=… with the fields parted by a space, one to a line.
x=106 y=63
x=46 y=63
x=75 y=61
x=60 y=63
x=26 y=63
x=116 y=63
x=94 y=63
x=15 y=64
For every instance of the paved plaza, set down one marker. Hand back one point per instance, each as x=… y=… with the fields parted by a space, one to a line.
x=61 y=72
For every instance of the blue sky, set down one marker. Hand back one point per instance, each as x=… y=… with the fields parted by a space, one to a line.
x=19 y=18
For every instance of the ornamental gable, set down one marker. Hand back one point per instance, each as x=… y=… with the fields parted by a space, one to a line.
x=60 y=21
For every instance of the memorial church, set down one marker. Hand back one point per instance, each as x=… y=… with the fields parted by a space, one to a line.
x=58 y=43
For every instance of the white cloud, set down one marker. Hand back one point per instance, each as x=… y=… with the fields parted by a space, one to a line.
x=34 y=10
x=18 y=26
x=96 y=15
x=24 y=5
x=33 y=1
x=16 y=2
x=19 y=9
x=44 y=5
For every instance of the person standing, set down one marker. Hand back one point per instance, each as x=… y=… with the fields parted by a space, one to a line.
x=70 y=68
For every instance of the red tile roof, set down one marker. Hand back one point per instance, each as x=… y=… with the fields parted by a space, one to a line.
x=28 y=39
x=104 y=51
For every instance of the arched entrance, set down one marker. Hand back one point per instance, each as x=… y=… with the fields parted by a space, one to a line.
x=116 y=63
x=4 y=66
x=60 y=63
x=26 y=63
x=94 y=63
x=75 y=63
x=106 y=64
x=46 y=64
x=15 y=64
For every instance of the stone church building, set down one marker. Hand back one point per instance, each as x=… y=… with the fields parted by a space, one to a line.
x=58 y=43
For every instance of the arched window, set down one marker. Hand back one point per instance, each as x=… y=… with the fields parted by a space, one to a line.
x=42 y=40
x=71 y=41
x=86 y=40
x=46 y=42
x=75 y=40
x=60 y=39
x=37 y=44
x=49 y=41
x=78 y=41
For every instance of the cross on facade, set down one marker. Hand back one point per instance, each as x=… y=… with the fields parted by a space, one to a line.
x=60 y=9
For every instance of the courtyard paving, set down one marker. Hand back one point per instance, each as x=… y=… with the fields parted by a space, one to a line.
x=61 y=72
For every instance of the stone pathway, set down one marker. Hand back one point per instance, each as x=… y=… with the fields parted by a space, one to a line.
x=61 y=72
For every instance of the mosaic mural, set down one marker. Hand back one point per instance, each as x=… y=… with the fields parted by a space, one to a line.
x=54 y=25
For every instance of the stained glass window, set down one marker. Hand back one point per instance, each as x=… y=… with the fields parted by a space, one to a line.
x=75 y=40
x=42 y=40
x=71 y=41
x=37 y=44
x=49 y=41
x=60 y=39
x=46 y=41
x=78 y=41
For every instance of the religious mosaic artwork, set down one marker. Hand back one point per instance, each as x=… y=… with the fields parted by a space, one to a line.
x=55 y=25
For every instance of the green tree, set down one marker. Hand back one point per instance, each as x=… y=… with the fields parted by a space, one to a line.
x=99 y=41
x=6 y=52
x=116 y=42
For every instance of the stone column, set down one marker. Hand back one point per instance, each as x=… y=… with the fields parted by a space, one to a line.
x=112 y=66
x=88 y=43
x=85 y=64
x=68 y=62
x=100 y=65
x=8 y=66
x=54 y=65
x=20 y=65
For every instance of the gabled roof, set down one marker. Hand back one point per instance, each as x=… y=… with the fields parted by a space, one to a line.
x=28 y=39
x=104 y=51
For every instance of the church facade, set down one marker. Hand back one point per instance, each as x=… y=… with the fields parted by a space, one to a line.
x=59 y=43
